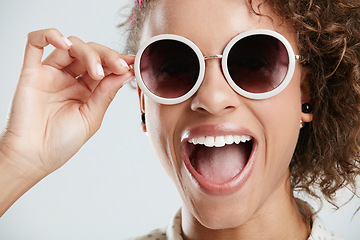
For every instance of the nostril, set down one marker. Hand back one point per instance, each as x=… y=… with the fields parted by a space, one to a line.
x=230 y=107
x=200 y=109
x=215 y=103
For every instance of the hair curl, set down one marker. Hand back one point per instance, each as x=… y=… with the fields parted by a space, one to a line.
x=328 y=33
x=327 y=155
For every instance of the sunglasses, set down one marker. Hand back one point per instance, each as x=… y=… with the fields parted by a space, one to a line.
x=257 y=64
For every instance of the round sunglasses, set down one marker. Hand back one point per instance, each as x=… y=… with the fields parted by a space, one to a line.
x=257 y=64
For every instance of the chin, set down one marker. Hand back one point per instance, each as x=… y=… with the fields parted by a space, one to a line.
x=219 y=216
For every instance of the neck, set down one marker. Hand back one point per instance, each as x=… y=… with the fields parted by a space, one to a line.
x=278 y=218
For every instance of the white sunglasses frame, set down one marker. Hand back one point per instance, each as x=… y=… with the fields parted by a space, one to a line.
x=256 y=96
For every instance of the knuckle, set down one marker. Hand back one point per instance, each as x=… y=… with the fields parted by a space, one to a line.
x=89 y=58
x=92 y=44
x=30 y=35
x=111 y=56
x=99 y=48
x=96 y=47
x=33 y=34
x=114 y=53
x=90 y=54
x=41 y=34
x=51 y=31
x=72 y=38
x=48 y=31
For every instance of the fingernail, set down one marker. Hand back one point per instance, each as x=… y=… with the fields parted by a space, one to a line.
x=123 y=63
x=129 y=80
x=67 y=41
x=100 y=70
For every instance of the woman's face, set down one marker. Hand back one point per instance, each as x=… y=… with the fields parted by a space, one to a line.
x=236 y=183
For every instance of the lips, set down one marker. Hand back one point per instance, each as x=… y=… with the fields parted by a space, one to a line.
x=219 y=162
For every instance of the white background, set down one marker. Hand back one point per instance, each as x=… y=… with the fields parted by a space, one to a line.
x=114 y=187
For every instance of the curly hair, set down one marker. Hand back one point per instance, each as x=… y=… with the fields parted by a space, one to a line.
x=327 y=155
x=328 y=34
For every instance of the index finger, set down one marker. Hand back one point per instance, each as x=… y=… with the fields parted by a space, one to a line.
x=38 y=40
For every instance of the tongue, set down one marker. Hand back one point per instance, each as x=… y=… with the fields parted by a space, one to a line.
x=220 y=165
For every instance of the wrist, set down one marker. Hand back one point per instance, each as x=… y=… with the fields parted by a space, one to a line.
x=16 y=176
x=20 y=165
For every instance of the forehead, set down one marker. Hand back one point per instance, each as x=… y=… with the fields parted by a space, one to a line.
x=184 y=15
x=209 y=22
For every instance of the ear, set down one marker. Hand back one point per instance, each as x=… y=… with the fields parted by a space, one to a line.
x=305 y=93
x=142 y=106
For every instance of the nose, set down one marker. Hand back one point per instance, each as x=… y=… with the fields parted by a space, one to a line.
x=215 y=95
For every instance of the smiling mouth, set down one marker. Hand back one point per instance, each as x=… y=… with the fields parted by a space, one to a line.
x=219 y=159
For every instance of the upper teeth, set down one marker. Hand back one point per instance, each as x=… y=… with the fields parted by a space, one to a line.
x=219 y=141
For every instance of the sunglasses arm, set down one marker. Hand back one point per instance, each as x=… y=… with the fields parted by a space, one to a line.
x=297 y=57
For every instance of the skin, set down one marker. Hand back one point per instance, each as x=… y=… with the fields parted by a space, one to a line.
x=60 y=103
x=265 y=198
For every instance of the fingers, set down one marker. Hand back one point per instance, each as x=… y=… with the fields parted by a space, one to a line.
x=38 y=40
x=88 y=57
x=91 y=84
x=92 y=59
x=59 y=59
x=87 y=62
x=97 y=59
x=88 y=82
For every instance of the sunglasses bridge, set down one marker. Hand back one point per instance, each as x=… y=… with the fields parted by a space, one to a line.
x=212 y=57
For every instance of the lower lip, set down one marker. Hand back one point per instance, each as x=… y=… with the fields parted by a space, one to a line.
x=227 y=188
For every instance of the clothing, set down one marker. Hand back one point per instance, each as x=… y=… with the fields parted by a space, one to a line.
x=320 y=232
x=173 y=231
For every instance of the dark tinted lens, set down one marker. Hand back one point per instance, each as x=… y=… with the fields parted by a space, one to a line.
x=169 y=68
x=258 y=63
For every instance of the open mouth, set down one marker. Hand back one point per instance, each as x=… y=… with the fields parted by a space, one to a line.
x=219 y=159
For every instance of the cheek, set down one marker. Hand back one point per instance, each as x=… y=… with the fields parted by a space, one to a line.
x=281 y=122
x=161 y=125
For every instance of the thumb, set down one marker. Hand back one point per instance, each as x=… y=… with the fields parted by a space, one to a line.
x=103 y=95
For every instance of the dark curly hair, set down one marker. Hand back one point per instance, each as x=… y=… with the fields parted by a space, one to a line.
x=328 y=33
x=327 y=155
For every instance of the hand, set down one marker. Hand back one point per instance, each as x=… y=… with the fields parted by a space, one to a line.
x=60 y=102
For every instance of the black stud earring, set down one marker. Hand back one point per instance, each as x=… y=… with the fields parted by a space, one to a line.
x=306 y=108
x=143 y=118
